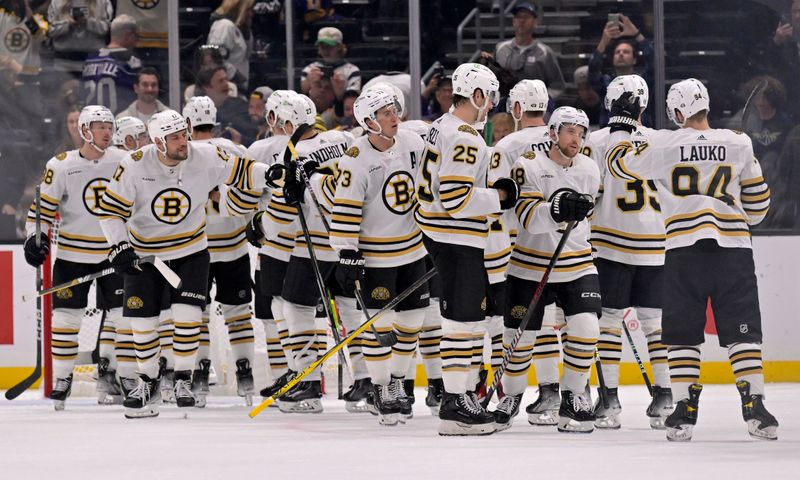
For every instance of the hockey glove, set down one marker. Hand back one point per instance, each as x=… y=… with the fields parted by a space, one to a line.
x=351 y=268
x=122 y=257
x=35 y=255
x=255 y=232
x=624 y=113
x=275 y=174
x=512 y=192
x=568 y=205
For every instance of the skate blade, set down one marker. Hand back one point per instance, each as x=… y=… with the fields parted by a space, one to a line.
x=248 y=399
x=680 y=434
x=303 y=406
x=360 y=406
x=59 y=405
x=543 y=419
x=657 y=423
x=568 y=425
x=500 y=427
x=608 y=423
x=108 y=399
x=767 y=434
x=146 y=412
x=452 y=428
x=389 y=420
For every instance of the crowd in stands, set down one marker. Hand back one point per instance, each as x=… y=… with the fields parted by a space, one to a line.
x=57 y=55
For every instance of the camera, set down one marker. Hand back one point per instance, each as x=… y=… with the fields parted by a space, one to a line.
x=614 y=18
x=327 y=71
x=439 y=70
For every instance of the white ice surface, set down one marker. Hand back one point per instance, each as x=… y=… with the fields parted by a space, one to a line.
x=221 y=442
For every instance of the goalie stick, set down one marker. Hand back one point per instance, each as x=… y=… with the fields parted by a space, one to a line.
x=336 y=348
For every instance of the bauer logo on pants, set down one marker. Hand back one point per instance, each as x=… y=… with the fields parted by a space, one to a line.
x=135 y=303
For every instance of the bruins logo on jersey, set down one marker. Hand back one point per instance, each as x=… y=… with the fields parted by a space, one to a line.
x=518 y=312
x=61 y=156
x=380 y=293
x=92 y=193
x=134 y=303
x=468 y=129
x=137 y=155
x=529 y=155
x=586 y=150
x=65 y=294
x=17 y=40
x=352 y=152
x=171 y=206
x=398 y=192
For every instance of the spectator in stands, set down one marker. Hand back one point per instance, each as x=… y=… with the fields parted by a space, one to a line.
x=526 y=57
x=441 y=100
x=784 y=209
x=78 y=28
x=348 y=120
x=342 y=75
x=232 y=112
x=588 y=99
x=632 y=53
x=109 y=76
x=786 y=55
x=207 y=56
x=257 y=109
x=771 y=123
x=69 y=138
x=312 y=11
x=321 y=93
x=147 y=102
x=231 y=33
x=502 y=125
x=23 y=34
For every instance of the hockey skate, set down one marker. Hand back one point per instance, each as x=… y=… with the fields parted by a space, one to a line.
x=506 y=410
x=408 y=386
x=544 y=411
x=200 y=382
x=660 y=407
x=607 y=416
x=244 y=381
x=279 y=383
x=109 y=391
x=305 y=398
x=434 y=398
x=387 y=406
x=127 y=385
x=60 y=393
x=460 y=416
x=575 y=415
x=681 y=421
x=355 y=399
x=142 y=401
x=398 y=392
x=760 y=423
x=184 y=396
x=167 y=376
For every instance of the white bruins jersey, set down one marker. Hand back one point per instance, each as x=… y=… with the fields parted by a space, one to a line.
x=73 y=186
x=709 y=182
x=162 y=208
x=503 y=231
x=226 y=234
x=280 y=216
x=372 y=209
x=454 y=201
x=626 y=226
x=420 y=127
x=539 y=178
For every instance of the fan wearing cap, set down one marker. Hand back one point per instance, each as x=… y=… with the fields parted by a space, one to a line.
x=72 y=186
x=257 y=108
x=526 y=57
x=155 y=205
x=556 y=187
x=711 y=190
x=332 y=67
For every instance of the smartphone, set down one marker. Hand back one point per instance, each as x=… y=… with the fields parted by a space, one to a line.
x=77 y=13
x=33 y=27
x=439 y=70
x=614 y=18
x=327 y=71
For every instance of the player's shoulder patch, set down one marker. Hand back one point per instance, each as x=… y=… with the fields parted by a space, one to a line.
x=352 y=152
x=529 y=155
x=467 y=129
x=61 y=156
x=136 y=155
x=221 y=153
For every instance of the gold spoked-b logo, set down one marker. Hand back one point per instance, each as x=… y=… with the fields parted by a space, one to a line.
x=171 y=206
x=380 y=293
x=134 y=303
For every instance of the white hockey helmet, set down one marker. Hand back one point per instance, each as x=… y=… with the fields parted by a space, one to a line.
x=90 y=114
x=165 y=123
x=311 y=111
x=689 y=97
x=530 y=94
x=469 y=77
x=296 y=110
x=273 y=102
x=369 y=102
x=568 y=116
x=399 y=98
x=200 y=111
x=128 y=127
x=627 y=83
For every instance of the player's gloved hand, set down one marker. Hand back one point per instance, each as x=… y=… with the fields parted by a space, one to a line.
x=275 y=175
x=351 y=268
x=567 y=205
x=255 y=232
x=35 y=255
x=624 y=113
x=309 y=167
x=122 y=257
x=512 y=192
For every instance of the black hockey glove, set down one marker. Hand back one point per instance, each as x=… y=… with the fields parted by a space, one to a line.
x=122 y=257
x=512 y=192
x=275 y=174
x=624 y=113
x=36 y=255
x=568 y=205
x=294 y=185
x=351 y=268
x=255 y=232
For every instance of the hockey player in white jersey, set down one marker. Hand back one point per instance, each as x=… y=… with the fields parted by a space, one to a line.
x=130 y=134
x=711 y=189
x=455 y=209
x=379 y=244
x=628 y=239
x=72 y=186
x=155 y=204
x=230 y=262
x=555 y=188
